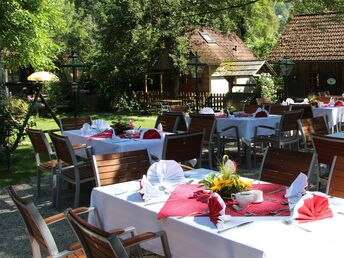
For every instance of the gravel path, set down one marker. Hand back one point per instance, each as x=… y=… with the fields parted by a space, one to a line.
x=13 y=238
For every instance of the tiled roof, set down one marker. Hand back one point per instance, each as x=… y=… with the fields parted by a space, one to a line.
x=225 y=48
x=242 y=68
x=317 y=37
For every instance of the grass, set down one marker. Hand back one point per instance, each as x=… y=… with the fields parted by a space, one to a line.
x=23 y=161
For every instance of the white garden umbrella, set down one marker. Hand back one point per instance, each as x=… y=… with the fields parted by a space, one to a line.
x=42 y=76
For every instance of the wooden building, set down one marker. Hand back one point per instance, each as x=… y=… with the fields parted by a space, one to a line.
x=315 y=43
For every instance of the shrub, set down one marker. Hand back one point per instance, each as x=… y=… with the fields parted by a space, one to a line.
x=267 y=86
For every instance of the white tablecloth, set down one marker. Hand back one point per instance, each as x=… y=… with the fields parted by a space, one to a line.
x=197 y=237
x=104 y=146
x=246 y=126
x=334 y=115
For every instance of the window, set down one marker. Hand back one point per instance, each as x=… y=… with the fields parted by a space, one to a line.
x=207 y=38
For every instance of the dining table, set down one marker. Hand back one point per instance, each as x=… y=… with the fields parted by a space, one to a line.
x=116 y=144
x=334 y=116
x=121 y=205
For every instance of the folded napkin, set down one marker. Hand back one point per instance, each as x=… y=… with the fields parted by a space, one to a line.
x=165 y=171
x=86 y=129
x=202 y=195
x=289 y=101
x=147 y=190
x=150 y=134
x=284 y=103
x=312 y=206
x=305 y=101
x=160 y=128
x=261 y=112
x=230 y=165
x=298 y=187
x=217 y=210
x=332 y=102
x=339 y=103
x=100 y=125
x=104 y=134
x=206 y=110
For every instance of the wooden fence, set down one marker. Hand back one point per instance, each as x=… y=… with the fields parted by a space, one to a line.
x=206 y=99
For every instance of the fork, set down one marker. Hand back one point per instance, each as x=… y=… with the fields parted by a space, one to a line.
x=277 y=212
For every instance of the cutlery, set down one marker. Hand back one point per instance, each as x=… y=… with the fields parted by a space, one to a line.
x=236 y=226
x=276 y=191
x=277 y=212
x=290 y=222
x=194 y=213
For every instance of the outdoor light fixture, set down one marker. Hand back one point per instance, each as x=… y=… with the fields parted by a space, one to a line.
x=73 y=70
x=196 y=69
x=286 y=65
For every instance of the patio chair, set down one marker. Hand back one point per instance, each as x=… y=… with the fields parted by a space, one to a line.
x=69 y=168
x=310 y=126
x=181 y=123
x=120 y=167
x=74 y=124
x=324 y=93
x=206 y=122
x=250 y=108
x=307 y=110
x=276 y=109
x=183 y=147
x=179 y=108
x=99 y=243
x=38 y=231
x=45 y=158
x=169 y=121
x=262 y=101
x=281 y=166
x=326 y=147
x=335 y=186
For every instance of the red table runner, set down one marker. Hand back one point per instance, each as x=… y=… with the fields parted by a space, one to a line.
x=180 y=203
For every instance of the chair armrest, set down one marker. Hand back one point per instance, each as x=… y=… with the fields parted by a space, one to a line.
x=75 y=246
x=79 y=146
x=186 y=167
x=137 y=239
x=60 y=216
x=266 y=127
x=123 y=231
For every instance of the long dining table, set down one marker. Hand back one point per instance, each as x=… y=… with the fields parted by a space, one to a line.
x=121 y=205
x=114 y=145
x=334 y=115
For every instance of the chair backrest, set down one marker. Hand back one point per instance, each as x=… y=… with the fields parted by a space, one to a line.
x=95 y=242
x=37 y=229
x=326 y=147
x=277 y=109
x=120 y=167
x=335 y=185
x=74 y=124
x=179 y=108
x=63 y=148
x=281 y=166
x=315 y=125
x=169 y=121
x=307 y=109
x=39 y=142
x=181 y=123
x=261 y=101
x=250 y=108
x=290 y=120
x=203 y=122
x=183 y=147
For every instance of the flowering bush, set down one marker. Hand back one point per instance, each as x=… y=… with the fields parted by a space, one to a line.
x=267 y=86
x=227 y=181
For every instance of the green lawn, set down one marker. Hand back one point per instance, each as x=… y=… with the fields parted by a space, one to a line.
x=23 y=161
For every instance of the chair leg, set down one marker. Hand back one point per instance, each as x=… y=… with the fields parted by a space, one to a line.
x=36 y=252
x=54 y=190
x=165 y=245
x=58 y=194
x=77 y=195
x=38 y=183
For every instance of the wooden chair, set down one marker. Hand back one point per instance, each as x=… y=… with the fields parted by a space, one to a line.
x=120 y=167
x=250 y=108
x=169 y=121
x=262 y=101
x=37 y=228
x=277 y=109
x=181 y=123
x=285 y=134
x=69 y=169
x=179 y=108
x=335 y=185
x=206 y=122
x=74 y=124
x=183 y=147
x=45 y=157
x=310 y=126
x=326 y=147
x=99 y=243
x=324 y=93
x=306 y=108
x=282 y=166
x=324 y=99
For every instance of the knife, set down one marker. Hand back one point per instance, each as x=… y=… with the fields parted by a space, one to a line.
x=236 y=226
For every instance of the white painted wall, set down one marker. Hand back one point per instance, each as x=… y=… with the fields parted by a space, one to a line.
x=218 y=85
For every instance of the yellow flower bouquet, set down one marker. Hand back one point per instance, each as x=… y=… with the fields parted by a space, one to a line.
x=227 y=181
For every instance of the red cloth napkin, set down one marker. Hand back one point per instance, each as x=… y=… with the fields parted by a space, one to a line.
x=339 y=103
x=105 y=134
x=151 y=134
x=315 y=208
x=180 y=204
x=202 y=195
x=261 y=114
x=215 y=208
x=221 y=115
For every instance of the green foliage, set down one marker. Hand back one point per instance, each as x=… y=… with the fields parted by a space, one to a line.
x=267 y=87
